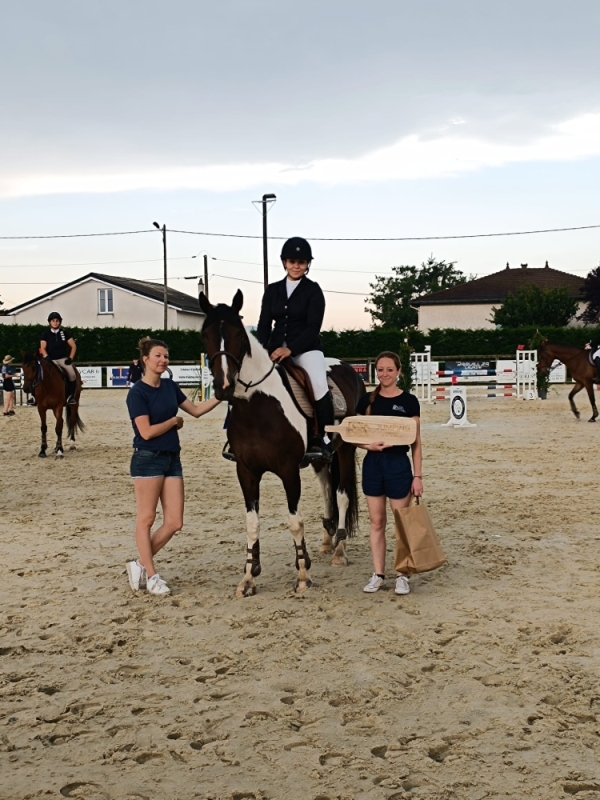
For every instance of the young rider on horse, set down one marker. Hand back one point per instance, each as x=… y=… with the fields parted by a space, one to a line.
x=296 y=306
x=58 y=345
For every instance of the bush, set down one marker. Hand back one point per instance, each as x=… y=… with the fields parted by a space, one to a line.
x=97 y=345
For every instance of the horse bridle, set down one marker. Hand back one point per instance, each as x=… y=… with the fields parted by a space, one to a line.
x=238 y=364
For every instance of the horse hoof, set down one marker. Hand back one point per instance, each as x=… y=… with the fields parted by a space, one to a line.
x=593 y=419
x=60 y=454
x=72 y=447
x=326 y=549
x=245 y=590
x=339 y=561
x=302 y=586
x=42 y=454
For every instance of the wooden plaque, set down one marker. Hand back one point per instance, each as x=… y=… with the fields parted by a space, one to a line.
x=365 y=430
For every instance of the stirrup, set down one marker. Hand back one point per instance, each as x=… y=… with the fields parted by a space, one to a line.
x=226 y=453
x=71 y=401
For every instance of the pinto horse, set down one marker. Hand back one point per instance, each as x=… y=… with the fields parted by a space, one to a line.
x=578 y=363
x=45 y=382
x=268 y=433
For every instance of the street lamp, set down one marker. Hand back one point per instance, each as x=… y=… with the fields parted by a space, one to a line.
x=266 y=199
x=165 y=298
x=205 y=282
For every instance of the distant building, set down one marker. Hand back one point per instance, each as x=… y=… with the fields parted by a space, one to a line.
x=470 y=304
x=106 y=301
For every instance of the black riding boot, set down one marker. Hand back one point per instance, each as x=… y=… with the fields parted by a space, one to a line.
x=325 y=416
x=597 y=363
x=71 y=389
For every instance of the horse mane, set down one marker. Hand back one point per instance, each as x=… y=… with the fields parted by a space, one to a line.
x=28 y=358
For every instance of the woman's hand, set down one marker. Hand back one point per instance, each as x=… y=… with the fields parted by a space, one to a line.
x=375 y=447
x=178 y=423
x=417 y=487
x=281 y=353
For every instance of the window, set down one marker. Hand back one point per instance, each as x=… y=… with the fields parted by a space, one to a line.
x=105 y=301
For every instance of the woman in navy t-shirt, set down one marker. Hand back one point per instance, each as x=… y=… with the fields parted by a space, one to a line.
x=386 y=471
x=156 y=469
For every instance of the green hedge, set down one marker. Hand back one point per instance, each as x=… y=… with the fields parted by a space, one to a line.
x=119 y=344
x=102 y=344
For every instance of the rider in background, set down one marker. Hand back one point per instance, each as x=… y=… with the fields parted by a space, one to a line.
x=289 y=326
x=57 y=345
x=135 y=372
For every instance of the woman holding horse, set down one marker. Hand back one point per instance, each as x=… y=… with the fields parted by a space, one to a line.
x=387 y=474
x=156 y=469
x=289 y=326
x=57 y=345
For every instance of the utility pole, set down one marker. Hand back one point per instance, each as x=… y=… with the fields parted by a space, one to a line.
x=206 y=275
x=266 y=199
x=165 y=295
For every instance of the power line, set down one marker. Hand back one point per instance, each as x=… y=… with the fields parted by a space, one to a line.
x=247 y=280
x=80 y=235
x=396 y=238
x=92 y=263
x=318 y=238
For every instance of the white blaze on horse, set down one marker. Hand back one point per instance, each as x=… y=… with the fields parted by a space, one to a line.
x=268 y=432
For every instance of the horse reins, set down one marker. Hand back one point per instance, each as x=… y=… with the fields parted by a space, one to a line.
x=238 y=364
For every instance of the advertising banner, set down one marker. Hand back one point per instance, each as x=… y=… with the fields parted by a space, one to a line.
x=116 y=377
x=362 y=370
x=91 y=377
x=185 y=374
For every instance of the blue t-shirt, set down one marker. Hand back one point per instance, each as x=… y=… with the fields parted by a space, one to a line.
x=159 y=404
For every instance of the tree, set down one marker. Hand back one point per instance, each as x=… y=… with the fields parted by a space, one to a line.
x=534 y=306
x=591 y=296
x=392 y=297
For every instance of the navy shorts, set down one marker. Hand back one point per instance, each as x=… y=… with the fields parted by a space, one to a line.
x=155 y=464
x=386 y=473
x=8 y=385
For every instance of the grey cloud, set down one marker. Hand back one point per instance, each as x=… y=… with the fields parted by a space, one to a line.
x=120 y=85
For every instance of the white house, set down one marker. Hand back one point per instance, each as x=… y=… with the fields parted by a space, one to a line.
x=469 y=305
x=106 y=301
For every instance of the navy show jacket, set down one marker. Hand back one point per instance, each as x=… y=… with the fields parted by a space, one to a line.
x=297 y=319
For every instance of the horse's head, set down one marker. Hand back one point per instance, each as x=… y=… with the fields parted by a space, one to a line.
x=545 y=359
x=29 y=365
x=226 y=343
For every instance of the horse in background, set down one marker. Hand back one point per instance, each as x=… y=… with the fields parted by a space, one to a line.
x=45 y=381
x=577 y=361
x=268 y=433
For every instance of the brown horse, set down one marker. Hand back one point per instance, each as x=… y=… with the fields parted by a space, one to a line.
x=577 y=361
x=268 y=433
x=44 y=380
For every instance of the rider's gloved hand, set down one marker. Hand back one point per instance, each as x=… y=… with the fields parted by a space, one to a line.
x=68 y=360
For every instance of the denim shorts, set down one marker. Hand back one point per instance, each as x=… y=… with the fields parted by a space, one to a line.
x=386 y=473
x=155 y=464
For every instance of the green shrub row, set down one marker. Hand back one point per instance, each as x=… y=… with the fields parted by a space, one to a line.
x=118 y=345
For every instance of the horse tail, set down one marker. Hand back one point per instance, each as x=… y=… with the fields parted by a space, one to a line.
x=73 y=421
x=350 y=488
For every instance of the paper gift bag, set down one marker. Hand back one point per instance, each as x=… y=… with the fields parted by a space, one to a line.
x=418 y=548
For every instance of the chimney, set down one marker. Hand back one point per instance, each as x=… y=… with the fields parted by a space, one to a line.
x=523 y=266
x=546 y=265
x=507 y=265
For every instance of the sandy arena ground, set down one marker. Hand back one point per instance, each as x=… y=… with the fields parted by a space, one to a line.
x=483 y=682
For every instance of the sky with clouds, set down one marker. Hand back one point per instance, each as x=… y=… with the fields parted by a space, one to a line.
x=380 y=119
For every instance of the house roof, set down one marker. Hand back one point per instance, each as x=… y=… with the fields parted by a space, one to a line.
x=495 y=288
x=152 y=291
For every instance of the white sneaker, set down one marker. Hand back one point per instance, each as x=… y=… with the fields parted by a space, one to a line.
x=402 y=586
x=375 y=584
x=136 y=574
x=156 y=585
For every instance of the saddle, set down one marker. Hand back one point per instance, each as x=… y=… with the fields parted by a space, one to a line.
x=297 y=381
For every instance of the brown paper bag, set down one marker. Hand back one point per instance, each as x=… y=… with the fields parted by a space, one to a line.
x=418 y=548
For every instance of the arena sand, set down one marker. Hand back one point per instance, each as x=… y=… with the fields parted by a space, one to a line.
x=484 y=682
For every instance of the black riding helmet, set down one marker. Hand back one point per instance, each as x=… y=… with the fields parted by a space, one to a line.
x=296 y=248
x=54 y=315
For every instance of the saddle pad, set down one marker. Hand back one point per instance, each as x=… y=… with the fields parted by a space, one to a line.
x=339 y=401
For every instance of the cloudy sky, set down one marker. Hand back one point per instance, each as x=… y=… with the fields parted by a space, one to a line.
x=383 y=119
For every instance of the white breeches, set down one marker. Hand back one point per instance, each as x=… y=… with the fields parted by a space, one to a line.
x=314 y=363
x=68 y=368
